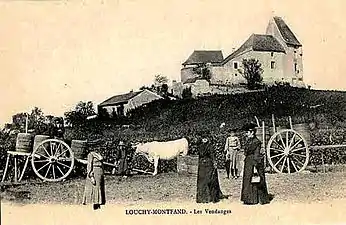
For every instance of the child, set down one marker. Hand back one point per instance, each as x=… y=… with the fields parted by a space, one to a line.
x=232 y=148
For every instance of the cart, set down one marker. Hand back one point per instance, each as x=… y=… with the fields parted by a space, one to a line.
x=287 y=150
x=51 y=160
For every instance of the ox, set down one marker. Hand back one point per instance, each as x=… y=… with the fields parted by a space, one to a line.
x=156 y=150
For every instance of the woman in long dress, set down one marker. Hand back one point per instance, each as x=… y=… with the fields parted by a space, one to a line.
x=232 y=149
x=94 y=192
x=208 y=187
x=253 y=193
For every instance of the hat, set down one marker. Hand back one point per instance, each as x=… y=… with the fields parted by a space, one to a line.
x=249 y=127
x=121 y=143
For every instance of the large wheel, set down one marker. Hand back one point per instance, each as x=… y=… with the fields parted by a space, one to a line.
x=288 y=152
x=52 y=160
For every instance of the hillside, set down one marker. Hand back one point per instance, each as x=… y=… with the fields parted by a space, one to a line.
x=302 y=104
x=167 y=119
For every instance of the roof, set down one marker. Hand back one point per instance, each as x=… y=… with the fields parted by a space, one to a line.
x=286 y=32
x=117 y=99
x=191 y=80
x=258 y=42
x=204 y=56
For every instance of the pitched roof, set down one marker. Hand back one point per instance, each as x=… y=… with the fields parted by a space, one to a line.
x=204 y=56
x=257 y=42
x=286 y=32
x=117 y=99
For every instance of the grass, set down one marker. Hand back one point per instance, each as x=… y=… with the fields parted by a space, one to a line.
x=173 y=187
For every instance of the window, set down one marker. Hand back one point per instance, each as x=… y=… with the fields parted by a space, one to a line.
x=300 y=79
x=272 y=54
x=235 y=74
x=272 y=64
x=235 y=65
x=296 y=68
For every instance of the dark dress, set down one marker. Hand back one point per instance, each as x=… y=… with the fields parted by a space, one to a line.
x=254 y=193
x=208 y=187
x=123 y=162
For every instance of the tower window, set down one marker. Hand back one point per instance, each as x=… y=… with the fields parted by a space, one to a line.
x=272 y=64
x=296 y=68
x=272 y=54
x=235 y=65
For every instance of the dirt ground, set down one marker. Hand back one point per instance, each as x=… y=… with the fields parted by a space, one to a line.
x=311 y=198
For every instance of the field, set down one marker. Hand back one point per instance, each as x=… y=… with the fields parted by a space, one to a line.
x=173 y=187
x=308 y=198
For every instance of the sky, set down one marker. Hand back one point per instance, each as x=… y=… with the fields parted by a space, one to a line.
x=56 y=53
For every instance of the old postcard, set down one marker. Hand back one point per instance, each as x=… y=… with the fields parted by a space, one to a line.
x=172 y=112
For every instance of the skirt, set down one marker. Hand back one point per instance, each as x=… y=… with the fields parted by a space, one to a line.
x=95 y=194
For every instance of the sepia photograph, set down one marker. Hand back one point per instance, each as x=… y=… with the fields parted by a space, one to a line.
x=172 y=112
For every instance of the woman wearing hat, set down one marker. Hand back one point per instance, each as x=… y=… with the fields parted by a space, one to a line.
x=94 y=192
x=208 y=187
x=253 y=192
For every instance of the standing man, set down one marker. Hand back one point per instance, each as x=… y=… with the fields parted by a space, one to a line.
x=253 y=192
x=232 y=148
x=123 y=164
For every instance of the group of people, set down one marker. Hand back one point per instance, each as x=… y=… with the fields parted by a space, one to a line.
x=253 y=191
x=208 y=186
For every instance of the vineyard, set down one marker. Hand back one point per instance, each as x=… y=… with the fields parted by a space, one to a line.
x=167 y=120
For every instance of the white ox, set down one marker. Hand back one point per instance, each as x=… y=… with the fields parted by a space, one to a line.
x=156 y=150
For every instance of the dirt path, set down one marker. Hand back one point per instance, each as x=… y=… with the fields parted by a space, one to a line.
x=299 y=199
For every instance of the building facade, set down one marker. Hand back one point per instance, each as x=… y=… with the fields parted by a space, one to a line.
x=278 y=50
x=120 y=104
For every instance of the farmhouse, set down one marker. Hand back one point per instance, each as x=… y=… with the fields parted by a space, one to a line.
x=121 y=104
x=278 y=50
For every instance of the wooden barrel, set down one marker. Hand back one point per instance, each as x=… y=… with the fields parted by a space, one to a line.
x=187 y=164
x=24 y=142
x=38 y=139
x=304 y=130
x=79 y=149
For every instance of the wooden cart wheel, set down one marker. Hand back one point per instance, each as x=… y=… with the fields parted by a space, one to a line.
x=52 y=160
x=287 y=152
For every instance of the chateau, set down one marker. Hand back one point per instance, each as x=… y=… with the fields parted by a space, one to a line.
x=278 y=50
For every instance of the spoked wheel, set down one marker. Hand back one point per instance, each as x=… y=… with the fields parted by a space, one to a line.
x=52 y=160
x=287 y=152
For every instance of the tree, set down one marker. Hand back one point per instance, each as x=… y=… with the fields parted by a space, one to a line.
x=78 y=116
x=37 y=121
x=252 y=72
x=203 y=71
x=160 y=79
x=18 y=121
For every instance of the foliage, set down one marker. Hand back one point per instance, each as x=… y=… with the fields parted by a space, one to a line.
x=78 y=116
x=160 y=79
x=37 y=122
x=203 y=71
x=187 y=94
x=252 y=72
